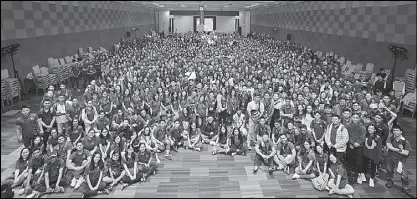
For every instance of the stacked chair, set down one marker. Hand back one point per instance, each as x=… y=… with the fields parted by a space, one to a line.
x=410 y=80
x=10 y=87
x=40 y=78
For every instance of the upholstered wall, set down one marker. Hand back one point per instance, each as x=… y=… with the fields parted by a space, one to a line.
x=360 y=31
x=59 y=28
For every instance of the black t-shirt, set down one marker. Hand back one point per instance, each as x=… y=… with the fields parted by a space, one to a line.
x=46 y=116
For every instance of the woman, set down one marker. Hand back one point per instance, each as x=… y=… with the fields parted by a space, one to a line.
x=115 y=173
x=155 y=105
x=309 y=117
x=300 y=114
x=21 y=170
x=52 y=140
x=372 y=152
x=37 y=143
x=146 y=166
x=89 y=115
x=94 y=172
x=76 y=132
x=147 y=138
x=104 y=145
x=106 y=104
x=201 y=111
x=237 y=143
x=90 y=141
x=193 y=140
x=321 y=161
x=130 y=165
x=221 y=145
x=127 y=100
x=117 y=145
x=96 y=102
x=305 y=163
x=338 y=182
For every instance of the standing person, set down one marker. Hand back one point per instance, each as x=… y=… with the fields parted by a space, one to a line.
x=286 y=154
x=62 y=114
x=94 y=174
x=399 y=149
x=47 y=119
x=318 y=129
x=336 y=137
x=371 y=153
x=357 y=133
x=265 y=151
x=338 y=182
x=255 y=110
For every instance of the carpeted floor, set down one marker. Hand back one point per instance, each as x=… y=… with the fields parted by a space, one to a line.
x=200 y=174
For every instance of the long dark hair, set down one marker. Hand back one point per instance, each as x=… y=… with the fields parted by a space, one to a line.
x=21 y=151
x=221 y=135
x=100 y=163
x=233 y=134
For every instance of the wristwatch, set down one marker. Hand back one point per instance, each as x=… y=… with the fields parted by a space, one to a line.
x=400 y=150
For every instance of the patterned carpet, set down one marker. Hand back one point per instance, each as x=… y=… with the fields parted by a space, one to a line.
x=200 y=174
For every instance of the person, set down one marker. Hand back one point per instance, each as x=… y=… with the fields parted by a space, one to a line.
x=104 y=143
x=262 y=128
x=265 y=151
x=54 y=179
x=62 y=111
x=237 y=142
x=338 y=182
x=146 y=164
x=399 y=149
x=221 y=144
x=94 y=174
x=255 y=110
x=286 y=154
x=371 y=153
x=115 y=172
x=63 y=148
x=76 y=132
x=91 y=142
x=76 y=164
x=35 y=170
x=161 y=138
x=357 y=133
x=130 y=165
x=37 y=143
x=193 y=140
x=47 y=119
x=305 y=162
x=27 y=124
x=89 y=116
x=21 y=169
x=277 y=130
x=208 y=133
x=318 y=129
x=102 y=121
x=321 y=161
x=337 y=137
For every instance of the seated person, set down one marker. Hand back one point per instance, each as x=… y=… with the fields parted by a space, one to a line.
x=262 y=128
x=91 y=142
x=146 y=164
x=208 y=132
x=338 y=182
x=115 y=171
x=265 y=151
x=21 y=170
x=130 y=165
x=76 y=164
x=94 y=174
x=35 y=170
x=286 y=154
x=321 y=161
x=175 y=135
x=193 y=140
x=221 y=145
x=161 y=138
x=54 y=178
x=150 y=143
x=237 y=143
x=305 y=162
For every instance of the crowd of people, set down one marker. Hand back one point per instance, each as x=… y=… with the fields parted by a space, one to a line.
x=298 y=111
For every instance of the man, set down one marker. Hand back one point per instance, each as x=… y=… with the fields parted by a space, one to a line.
x=76 y=164
x=346 y=114
x=54 y=176
x=117 y=120
x=337 y=136
x=27 y=125
x=160 y=135
x=265 y=151
x=102 y=121
x=175 y=135
x=262 y=128
x=357 y=133
x=209 y=131
x=255 y=111
x=285 y=155
x=62 y=114
x=35 y=170
x=46 y=120
x=288 y=111
x=76 y=108
x=399 y=150
x=64 y=91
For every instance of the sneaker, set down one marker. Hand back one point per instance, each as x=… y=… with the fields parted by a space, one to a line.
x=295 y=176
x=106 y=191
x=363 y=177
x=350 y=196
x=409 y=192
x=212 y=143
x=327 y=188
x=249 y=148
x=213 y=153
x=197 y=149
x=271 y=171
x=124 y=185
x=332 y=191
x=73 y=182
x=233 y=154
x=371 y=182
x=31 y=195
x=389 y=183
x=168 y=156
x=377 y=173
x=79 y=183
x=359 y=179
x=21 y=192
x=158 y=161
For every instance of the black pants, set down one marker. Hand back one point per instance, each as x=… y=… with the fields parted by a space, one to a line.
x=259 y=161
x=41 y=187
x=365 y=163
x=223 y=117
x=355 y=158
x=75 y=82
x=341 y=156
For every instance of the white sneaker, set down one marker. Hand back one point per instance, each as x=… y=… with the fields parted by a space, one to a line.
x=371 y=182
x=295 y=176
x=363 y=177
x=73 y=182
x=359 y=180
x=79 y=183
x=212 y=143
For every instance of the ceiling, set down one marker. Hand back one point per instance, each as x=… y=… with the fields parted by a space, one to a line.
x=210 y=5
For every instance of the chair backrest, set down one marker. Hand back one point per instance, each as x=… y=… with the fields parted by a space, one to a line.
x=369 y=67
x=80 y=51
x=5 y=74
x=44 y=71
x=36 y=70
x=90 y=50
x=61 y=61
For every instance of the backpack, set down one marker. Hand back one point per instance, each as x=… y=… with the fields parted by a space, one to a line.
x=320 y=182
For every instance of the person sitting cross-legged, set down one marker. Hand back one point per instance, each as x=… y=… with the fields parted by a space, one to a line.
x=286 y=154
x=237 y=143
x=305 y=165
x=265 y=151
